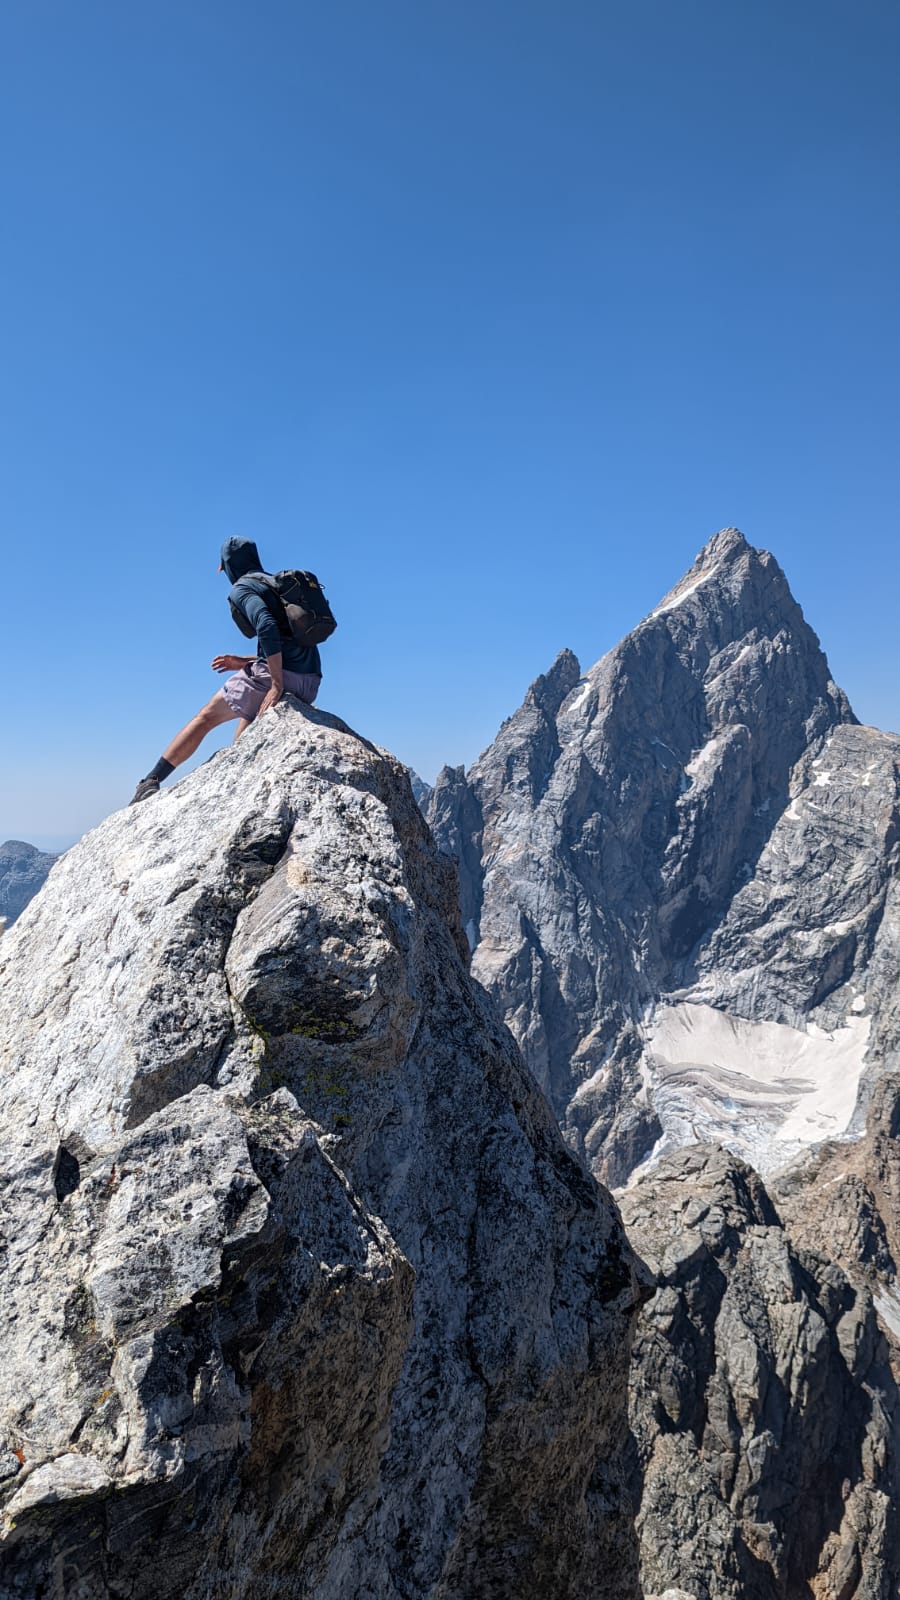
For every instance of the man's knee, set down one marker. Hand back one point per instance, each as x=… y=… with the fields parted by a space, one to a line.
x=214 y=712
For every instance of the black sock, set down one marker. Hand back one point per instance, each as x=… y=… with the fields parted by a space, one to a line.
x=162 y=769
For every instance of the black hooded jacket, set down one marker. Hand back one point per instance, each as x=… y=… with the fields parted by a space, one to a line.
x=242 y=566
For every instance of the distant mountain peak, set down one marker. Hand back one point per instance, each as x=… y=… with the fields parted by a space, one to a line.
x=23 y=869
x=725 y=546
x=19 y=850
x=550 y=689
x=726 y=554
x=610 y=839
x=681 y=887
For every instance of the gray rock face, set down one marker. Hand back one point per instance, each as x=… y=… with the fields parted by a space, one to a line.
x=844 y=1201
x=679 y=878
x=763 y=1405
x=23 y=869
x=421 y=790
x=302 y=1293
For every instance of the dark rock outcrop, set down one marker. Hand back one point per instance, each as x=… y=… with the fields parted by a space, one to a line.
x=763 y=1405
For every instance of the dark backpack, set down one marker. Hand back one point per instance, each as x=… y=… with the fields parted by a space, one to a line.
x=297 y=603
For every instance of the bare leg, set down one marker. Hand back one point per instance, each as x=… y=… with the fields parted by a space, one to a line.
x=241 y=727
x=186 y=742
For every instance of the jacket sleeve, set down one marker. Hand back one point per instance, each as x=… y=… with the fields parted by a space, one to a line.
x=260 y=619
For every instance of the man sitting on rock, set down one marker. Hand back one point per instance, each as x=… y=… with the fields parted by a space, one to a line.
x=258 y=682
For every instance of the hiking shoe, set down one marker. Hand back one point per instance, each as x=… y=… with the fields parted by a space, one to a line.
x=144 y=790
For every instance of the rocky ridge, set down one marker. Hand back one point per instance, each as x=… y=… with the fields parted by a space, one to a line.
x=302 y=1291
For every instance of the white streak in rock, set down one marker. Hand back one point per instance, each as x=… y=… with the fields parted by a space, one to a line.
x=887 y=1304
x=678 y=596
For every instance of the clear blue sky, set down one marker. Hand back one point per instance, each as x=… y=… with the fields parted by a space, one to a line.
x=490 y=313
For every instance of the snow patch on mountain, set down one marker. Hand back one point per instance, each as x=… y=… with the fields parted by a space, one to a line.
x=578 y=702
x=763 y=1089
x=887 y=1304
x=677 y=597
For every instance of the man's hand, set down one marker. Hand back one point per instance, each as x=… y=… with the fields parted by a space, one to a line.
x=274 y=665
x=230 y=663
x=275 y=694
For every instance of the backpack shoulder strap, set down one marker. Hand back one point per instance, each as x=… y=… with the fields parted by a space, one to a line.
x=266 y=587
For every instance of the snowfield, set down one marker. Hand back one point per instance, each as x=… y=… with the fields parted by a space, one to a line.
x=762 y=1089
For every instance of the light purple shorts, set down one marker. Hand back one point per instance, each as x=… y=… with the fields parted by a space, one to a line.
x=245 y=691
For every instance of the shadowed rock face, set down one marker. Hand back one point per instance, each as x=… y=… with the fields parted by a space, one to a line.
x=23 y=870
x=679 y=877
x=763 y=1405
x=421 y=790
x=302 y=1293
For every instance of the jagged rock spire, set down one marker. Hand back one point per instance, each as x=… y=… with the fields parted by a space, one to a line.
x=615 y=839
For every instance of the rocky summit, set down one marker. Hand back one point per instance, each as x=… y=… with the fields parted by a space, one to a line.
x=679 y=880
x=302 y=1292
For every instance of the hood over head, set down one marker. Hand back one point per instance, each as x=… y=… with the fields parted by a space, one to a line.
x=238 y=557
